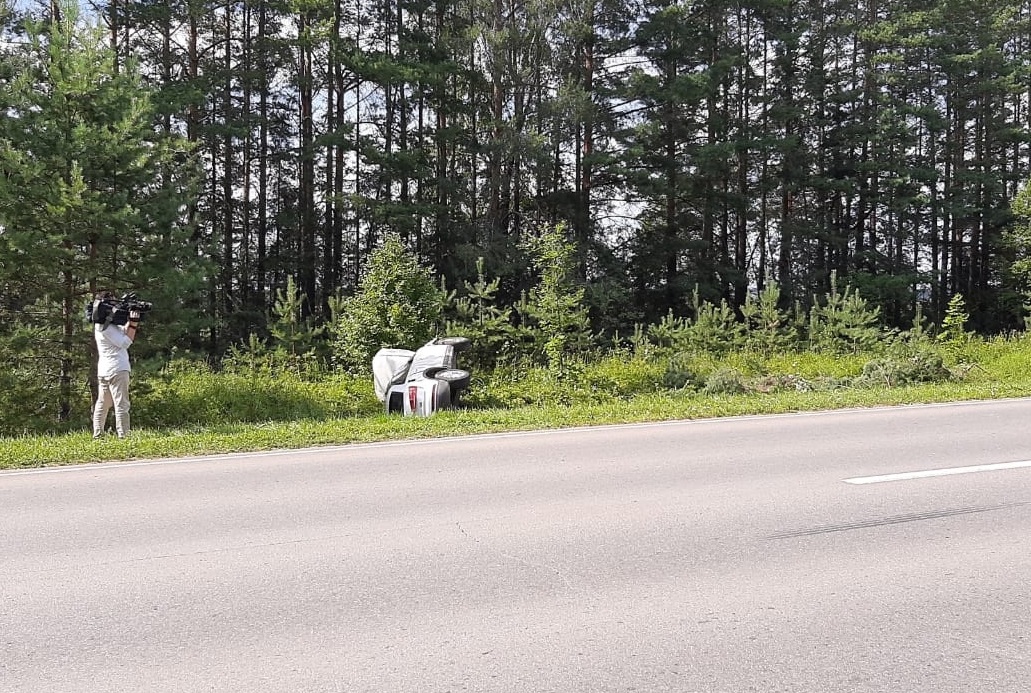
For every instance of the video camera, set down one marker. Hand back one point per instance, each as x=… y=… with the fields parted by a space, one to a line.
x=115 y=311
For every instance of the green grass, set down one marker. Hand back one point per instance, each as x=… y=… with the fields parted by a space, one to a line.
x=145 y=444
x=617 y=389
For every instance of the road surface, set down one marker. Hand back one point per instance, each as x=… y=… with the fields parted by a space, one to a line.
x=871 y=550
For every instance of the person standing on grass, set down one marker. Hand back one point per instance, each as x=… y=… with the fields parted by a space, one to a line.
x=113 y=342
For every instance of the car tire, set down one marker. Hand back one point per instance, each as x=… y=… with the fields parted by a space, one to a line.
x=459 y=344
x=455 y=377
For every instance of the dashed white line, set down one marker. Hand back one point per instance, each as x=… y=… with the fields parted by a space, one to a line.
x=938 y=472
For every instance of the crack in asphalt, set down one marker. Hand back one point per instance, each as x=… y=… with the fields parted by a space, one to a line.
x=518 y=559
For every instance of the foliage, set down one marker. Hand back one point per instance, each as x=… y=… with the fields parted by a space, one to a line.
x=920 y=367
x=616 y=376
x=678 y=373
x=554 y=313
x=623 y=375
x=187 y=408
x=953 y=328
x=293 y=332
x=715 y=328
x=323 y=127
x=490 y=329
x=258 y=358
x=725 y=381
x=28 y=395
x=843 y=322
x=955 y=342
x=397 y=305
x=739 y=161
x=767 y=328
x=91 y=197
x=1016 y=250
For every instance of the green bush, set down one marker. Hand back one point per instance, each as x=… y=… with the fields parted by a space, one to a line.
x=257 y=358
x=714 y=329
x=725 y=381
x=616 y=377
x=678 y=374
x=475 y=315
x=767 y=328
x=554 y=315
x=397 y=305
x=844 y=322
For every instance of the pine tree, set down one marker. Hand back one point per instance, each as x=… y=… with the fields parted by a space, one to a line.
x=396 y=305
x=91 y=197
x=554 y=310
x=477 y=316
x=768 y=328
x=843 y=321
x=291 y=326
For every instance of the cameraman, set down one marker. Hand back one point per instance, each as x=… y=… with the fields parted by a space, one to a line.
x=113 y=342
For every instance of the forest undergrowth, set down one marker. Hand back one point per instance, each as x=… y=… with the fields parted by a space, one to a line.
x=186 y=408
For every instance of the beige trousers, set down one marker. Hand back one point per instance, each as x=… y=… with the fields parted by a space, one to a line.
x=114 y=392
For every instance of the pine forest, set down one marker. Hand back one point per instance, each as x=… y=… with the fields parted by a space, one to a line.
x=222 y=158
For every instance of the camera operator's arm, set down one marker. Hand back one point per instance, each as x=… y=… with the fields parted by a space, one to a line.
x=134 y=324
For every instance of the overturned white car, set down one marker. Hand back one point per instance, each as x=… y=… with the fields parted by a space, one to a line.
x=418 y=383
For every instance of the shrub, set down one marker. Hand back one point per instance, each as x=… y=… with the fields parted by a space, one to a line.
x=554 y=311
x=767 y=328
x=493 y=338
x=257 y=358
x=296 y=338
x=921 y=367
x=678 y=373
x=725 y=381
x=397 y=305
x=844 y=322
x=713 y=330
x=515 y=385
x=953 y=328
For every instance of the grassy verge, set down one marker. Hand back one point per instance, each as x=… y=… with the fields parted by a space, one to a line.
x=274 y=411
x=75 y=448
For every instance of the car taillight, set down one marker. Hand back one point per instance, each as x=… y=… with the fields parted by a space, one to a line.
x=413 y=397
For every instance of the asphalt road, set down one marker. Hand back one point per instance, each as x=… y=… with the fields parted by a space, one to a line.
x=745 y=554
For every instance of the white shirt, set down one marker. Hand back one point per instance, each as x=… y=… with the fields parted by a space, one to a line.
x=112 y=348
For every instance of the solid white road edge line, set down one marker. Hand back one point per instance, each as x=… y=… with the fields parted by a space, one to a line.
x=937 y=472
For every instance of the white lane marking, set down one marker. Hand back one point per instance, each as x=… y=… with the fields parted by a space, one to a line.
x=938 y=472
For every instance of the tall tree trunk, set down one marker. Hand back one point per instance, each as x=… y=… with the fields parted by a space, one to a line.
x=228 y=251
x=308 y=256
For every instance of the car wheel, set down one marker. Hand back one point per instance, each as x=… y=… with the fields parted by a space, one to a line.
x=457 y=343
x=455 y=377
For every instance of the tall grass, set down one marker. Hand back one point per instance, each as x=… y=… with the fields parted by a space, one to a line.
x=190 y=410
